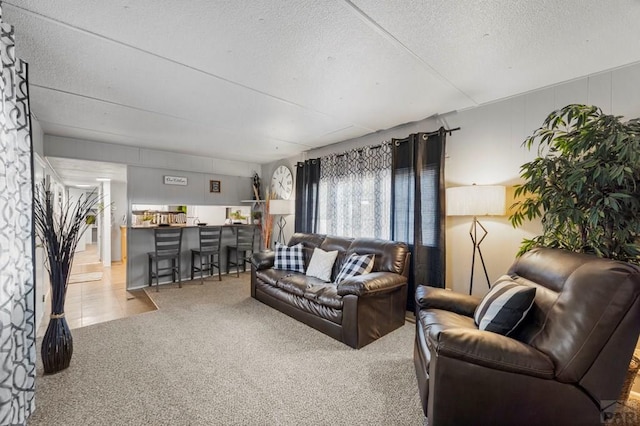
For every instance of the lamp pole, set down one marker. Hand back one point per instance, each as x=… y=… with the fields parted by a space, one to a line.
x=473 y=233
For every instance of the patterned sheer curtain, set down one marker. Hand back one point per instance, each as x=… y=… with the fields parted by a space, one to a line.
x=17 y=299
x=355 y=193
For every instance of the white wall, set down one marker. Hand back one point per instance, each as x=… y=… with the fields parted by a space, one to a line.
x=104 y=224
x=40 y=170
x=74 y=196
x=487 y=150
x=118 y=217
x=215 y=215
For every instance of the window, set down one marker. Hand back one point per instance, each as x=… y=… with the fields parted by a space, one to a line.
x=355 y=193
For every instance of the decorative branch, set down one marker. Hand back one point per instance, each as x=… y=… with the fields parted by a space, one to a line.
x=60 y=234
x=267 y=222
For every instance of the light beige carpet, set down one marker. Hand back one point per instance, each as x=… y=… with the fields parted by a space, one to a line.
x=85 y=277
x=212 y=355
x=628 y=414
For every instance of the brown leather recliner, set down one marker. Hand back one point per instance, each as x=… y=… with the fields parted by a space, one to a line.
x=564 y=365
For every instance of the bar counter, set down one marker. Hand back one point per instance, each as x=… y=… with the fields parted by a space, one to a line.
x=141 y=241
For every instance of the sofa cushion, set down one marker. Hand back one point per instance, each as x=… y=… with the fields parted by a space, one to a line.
x=309 y=242
x=272 y=276
x=289 y=258
x=301 y=303
x=356 y=265
x=321 y=264
x=504 y=307
x=294 y=283
x=391 y=256
x=341 y=244
x=324 y=294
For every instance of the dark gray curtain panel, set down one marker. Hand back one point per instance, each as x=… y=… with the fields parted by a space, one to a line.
x=418 y=208
x=17 y=297
x=307 y=184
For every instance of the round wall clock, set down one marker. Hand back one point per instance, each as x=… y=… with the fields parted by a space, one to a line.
x=282 y=183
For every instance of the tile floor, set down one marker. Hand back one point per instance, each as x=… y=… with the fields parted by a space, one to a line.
x=98 y=301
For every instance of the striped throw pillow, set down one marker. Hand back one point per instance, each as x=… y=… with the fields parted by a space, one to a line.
x=504 y=307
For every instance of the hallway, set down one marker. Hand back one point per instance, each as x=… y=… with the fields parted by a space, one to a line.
x=96 y=294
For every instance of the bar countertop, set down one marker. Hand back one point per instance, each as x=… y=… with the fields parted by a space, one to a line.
x=182 y=225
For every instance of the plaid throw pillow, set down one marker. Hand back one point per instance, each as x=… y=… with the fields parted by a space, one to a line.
x=355 y=265
x=289 y=258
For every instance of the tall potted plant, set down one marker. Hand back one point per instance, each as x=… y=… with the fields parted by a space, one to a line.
x=585 y=186
x=60 y=232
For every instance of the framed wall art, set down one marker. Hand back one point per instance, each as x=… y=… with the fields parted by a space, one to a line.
x=214 y=186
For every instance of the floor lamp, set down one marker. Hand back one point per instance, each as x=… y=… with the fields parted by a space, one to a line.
x=281 y=208
x=476 y=200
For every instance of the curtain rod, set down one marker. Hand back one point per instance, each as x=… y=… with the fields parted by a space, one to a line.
x=449 y=131
x=445 y=130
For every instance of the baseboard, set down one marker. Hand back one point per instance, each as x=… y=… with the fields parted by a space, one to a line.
x=410 y=317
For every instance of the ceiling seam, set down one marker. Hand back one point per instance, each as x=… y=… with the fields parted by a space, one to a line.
x=135 y=139
x=66 y=92
x=396 y=42
x=226 y=80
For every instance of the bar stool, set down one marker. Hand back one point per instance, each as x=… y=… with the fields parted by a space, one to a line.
x=168 y=244
x=245 y=237
x=210 y=237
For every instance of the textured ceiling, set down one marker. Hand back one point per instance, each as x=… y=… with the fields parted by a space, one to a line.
x=263 y=80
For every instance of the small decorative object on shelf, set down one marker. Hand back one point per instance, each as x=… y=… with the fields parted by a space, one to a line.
x=60 y=233
x=256 y=187
x=237 y=217
x=257 y=215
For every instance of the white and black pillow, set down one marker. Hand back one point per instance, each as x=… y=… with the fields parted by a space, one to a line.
x=289 y=258
x=504 y=307
x=355 y=265
x=321 y=264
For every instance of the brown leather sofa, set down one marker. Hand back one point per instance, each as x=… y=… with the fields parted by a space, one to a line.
x=565 y=364
x=357 y=311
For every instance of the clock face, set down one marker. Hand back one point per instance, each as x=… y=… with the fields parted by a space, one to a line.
x=282 y=183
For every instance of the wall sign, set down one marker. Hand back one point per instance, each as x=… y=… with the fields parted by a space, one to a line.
x=214 y=186
x=175 y=180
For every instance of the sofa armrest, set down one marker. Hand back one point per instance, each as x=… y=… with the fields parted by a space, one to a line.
x=439 y=298
x=263 y=260
x=373 y=283
x=490 y=350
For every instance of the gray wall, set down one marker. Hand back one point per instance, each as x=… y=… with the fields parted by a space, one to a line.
x=487 y=150
x=56 y=146
x=266 y=173
x=146 y=186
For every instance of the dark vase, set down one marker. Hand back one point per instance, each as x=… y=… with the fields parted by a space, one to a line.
x=57 y=345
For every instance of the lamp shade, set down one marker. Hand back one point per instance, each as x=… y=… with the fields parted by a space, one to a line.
x=476 y=200
x=281 y=207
